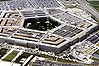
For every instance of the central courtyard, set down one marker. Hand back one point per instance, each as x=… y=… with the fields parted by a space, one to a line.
x=42 y=23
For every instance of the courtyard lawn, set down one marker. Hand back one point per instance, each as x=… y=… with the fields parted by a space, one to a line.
x=2 y=52
x=11 y=56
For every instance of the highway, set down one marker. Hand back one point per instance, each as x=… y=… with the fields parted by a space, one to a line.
x=86 y=6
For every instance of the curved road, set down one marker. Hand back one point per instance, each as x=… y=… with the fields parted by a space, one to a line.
x=85 y=5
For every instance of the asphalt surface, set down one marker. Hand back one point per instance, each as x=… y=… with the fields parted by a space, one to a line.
x=86 y=6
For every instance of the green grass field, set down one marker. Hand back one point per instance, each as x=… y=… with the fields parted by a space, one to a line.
x=11 y=56
x=97 y=45
x=97 y=52
x=95 y=4
x=96 y=60
x=2 y=52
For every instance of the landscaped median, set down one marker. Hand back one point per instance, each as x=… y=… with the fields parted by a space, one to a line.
x=11 y=56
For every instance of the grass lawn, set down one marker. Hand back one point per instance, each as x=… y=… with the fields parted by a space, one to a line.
x=66 y=61
x=2 y=52
x=95 y=4
x=97 y=52
x=96 y=60
x=11 y=56
x=96 y=7
x=97 y=45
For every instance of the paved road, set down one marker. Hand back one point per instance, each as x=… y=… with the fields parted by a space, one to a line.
x=85 y=5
